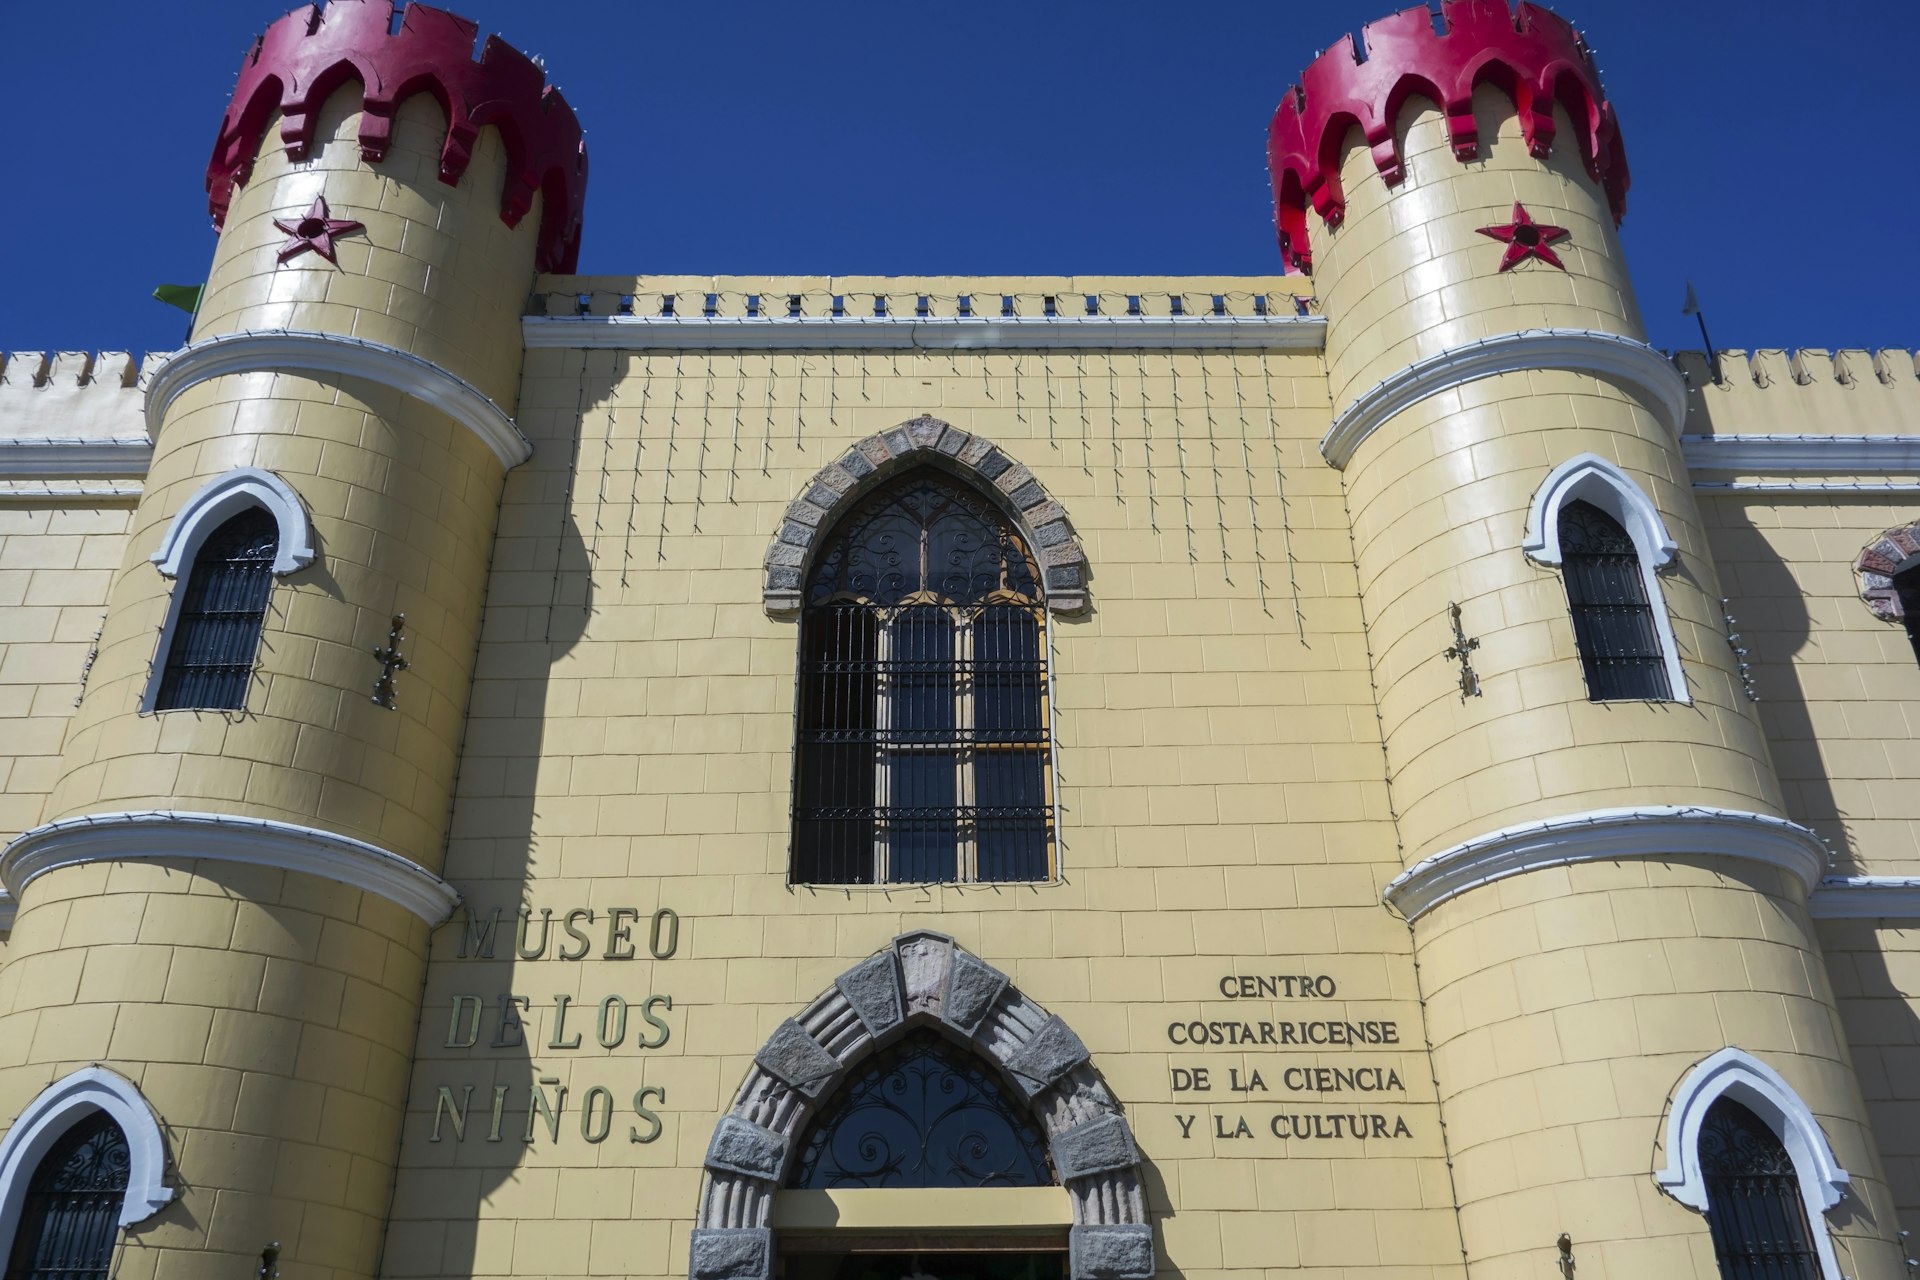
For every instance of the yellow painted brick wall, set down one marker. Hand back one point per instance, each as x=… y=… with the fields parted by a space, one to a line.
x=56 y=564
x=1222 y=802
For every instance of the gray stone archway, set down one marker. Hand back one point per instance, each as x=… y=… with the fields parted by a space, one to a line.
x=923 y=440
x=922 y=979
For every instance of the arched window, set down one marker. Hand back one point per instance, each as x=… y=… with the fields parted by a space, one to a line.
x=1593 y=523
x=70 y=1216
x=1754 y=1204
x=923 y=1113
x=1613 y=622
x=922 y=750
x=216 y=625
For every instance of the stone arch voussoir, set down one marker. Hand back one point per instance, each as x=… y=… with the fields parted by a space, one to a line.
x=924 y=440
x=1893 y=552
x=922 y=979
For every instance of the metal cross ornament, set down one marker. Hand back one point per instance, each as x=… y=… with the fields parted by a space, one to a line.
x=1459 y=650
x=314 y=231
x=1526 y=238
x=391 y=661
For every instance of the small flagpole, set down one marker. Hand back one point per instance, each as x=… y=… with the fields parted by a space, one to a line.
x=1692 y=308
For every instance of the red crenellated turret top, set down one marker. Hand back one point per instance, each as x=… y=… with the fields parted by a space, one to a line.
x=1535 y=57
x=312 y=51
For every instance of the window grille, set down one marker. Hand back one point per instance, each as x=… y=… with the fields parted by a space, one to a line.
x=922 y=747
x=1613 y=624
x=925 y=1113
x=1754 y=1207
x=209 y=660
x=71 y=1214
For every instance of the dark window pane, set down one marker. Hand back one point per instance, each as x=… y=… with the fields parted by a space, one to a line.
x=925 y=1113
x=1011 y=816
x=838 y=745
x=1008 y=672
x=921 y=669
x=1613 y=623
x=922 y=816
x=1754 y=1210
x=217 y=633
x=71 y=1214
x=1907 y=586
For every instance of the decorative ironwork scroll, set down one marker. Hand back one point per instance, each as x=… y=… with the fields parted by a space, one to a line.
x=922 y=1114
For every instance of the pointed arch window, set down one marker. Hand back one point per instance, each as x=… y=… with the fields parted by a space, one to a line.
x=1613 y=621
x=924 y=1113
x=220 y=614
x=70 y=1217
x=1755 y=1209
x=922 y=748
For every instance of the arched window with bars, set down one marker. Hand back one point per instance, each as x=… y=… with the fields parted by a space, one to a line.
x=1613 y=621
x=1755 y=1208
x=923 y=740
x=221 y=610
x=70 y=1215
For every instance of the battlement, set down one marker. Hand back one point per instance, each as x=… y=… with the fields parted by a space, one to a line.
x=1532 y=55
x=70 y=415
x=304 y=57
x=1809 y=393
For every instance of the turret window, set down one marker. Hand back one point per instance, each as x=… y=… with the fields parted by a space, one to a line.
x=70 y=1216
x=923 y=749
x=1755 y=1209
x=1613 y=622
x=1594 y=524
x=222 y=612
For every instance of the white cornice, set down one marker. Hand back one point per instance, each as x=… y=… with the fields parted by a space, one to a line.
x=1607 y=835
x=1866 y=898
x=300 y=351
x=50 y=457
x=1828 y=455
x=945 y=333
x=1583 y=351
x=154 y=833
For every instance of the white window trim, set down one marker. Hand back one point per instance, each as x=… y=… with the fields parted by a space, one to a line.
x=60 y=1106
x=211 y=506
x=226 y=496
x=1588 y=477
x=1736 y=1074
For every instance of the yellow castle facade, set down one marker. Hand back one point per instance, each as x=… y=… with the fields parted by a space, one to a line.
x=1367 y=773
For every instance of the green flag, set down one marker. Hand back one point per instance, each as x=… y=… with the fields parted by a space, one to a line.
x=184 y=296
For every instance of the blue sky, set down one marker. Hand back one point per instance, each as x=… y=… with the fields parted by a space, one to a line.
x=1771 y=146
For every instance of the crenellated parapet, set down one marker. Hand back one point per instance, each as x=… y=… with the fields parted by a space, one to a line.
x=311 y=52
x=73 y=413
x=1821 y=398
x=1532 y=55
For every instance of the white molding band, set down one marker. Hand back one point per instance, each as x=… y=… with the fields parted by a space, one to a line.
x=1736 y=1074
x=261 y=842
x=222 y=498
x=60 y=1106
x=1828 y=455
x=927 y=333
x=52 y=457
x=1606 y=355
x=303 y=351
x=1866 y=898
x=1607 y=835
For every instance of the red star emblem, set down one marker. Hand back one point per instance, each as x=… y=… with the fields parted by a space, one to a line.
x=315 y=231
x=1526 y=238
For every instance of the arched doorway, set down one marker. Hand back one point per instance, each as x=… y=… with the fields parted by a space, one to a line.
x=923 y=1118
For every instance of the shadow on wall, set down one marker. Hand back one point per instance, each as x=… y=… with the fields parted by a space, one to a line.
x=496 y=1106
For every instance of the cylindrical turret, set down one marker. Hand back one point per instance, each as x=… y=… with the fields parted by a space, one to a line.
x=254 y=795
x=1603 y=888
